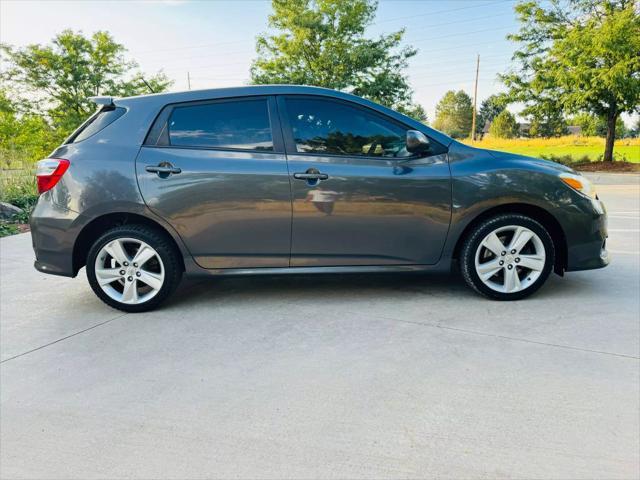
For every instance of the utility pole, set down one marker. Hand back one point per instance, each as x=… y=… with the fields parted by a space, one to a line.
x=189 y=80
x=475 y=102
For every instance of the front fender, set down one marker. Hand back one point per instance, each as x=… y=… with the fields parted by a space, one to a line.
x=482 y=180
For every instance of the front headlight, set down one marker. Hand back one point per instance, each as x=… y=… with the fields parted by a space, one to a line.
x=579 y=183
x=585 y=187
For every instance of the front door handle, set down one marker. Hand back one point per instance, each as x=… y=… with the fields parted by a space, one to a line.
x=311 y=174
x=164 y=168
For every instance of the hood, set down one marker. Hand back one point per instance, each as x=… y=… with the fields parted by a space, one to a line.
x=531 y=160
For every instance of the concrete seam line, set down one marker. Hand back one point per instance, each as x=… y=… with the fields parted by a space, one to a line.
x=515 y=339
x=63 y=338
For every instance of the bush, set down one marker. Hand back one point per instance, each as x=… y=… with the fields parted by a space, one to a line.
x=18 y=183
x=504 y=126
x=7 y=229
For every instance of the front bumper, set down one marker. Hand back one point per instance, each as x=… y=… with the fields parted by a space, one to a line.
x=587 y=242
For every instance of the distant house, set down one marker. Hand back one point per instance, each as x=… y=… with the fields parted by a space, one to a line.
x=523 y=129
x=485 y=129
x=574 y=130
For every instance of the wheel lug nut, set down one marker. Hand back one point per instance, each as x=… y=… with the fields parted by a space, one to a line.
x=513 y=251
x=121 y=272
x=503 y=253
x=517 y=260
x=501 y=262
x=138 y=274
x=510 y=267
x=126 y=264
x=135 y=265
x=130 y=279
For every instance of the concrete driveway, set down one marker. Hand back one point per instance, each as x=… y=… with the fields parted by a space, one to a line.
x=326 y=377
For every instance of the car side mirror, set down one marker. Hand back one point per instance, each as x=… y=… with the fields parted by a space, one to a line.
x=417 y=142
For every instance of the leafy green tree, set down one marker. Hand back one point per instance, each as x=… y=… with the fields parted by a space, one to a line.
x=594 y=126
x=578 y=55
x=323 y=43
x=490 y=108
x=453 y=114
x=587 y=122
x=546 y=121
x=504 y=126
x=23 y=137
x=57 y=79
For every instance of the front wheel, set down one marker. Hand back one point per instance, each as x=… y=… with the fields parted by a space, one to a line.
x=507 y=257
x=133 y=268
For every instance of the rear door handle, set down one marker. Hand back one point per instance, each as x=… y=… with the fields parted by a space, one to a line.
x=163 y=168
x=311 y=174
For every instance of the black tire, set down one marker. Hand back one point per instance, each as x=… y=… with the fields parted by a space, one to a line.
x=478 y=234
x=157 y=240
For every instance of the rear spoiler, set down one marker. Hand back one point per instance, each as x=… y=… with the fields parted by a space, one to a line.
x=107 y=101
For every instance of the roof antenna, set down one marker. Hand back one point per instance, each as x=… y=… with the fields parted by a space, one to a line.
x=147 y=84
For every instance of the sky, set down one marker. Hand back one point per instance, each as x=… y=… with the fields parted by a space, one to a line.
x=214 y=41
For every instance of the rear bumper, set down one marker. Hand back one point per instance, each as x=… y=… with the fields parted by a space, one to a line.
x=587 y=247
x=53 y=237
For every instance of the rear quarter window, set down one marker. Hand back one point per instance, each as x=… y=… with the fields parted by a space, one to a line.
x=97 y=122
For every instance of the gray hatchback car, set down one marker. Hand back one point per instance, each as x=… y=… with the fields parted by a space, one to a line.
x=292 y=179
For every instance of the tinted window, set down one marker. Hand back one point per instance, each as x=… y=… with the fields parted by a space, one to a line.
x=99 y=121
x=239 y=124
x=324 y=126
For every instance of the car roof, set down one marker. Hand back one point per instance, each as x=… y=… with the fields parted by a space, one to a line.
x=241 y=91
x=157 y=101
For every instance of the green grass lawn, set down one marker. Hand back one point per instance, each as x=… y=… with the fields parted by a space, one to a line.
x=630 y=153
x=567 y=149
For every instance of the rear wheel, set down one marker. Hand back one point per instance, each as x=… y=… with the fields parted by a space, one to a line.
x=507 y=257
x=133 y=268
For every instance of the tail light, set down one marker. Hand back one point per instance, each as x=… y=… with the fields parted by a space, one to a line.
x=49 y=172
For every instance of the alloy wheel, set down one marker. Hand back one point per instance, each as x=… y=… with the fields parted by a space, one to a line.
x=129 y=271
x=510 y=259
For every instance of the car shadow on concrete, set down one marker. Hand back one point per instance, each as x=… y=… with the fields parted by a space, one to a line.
x=328 y=286
x=359 y=287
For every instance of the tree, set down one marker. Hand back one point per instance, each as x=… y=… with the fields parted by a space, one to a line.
x=490 y=108
x=546 y=121
x=453 y=114
x=504 y=126
x=594 y=126
x=23 y=138
x=578 y=55
x=57 y=79
x=323 y=43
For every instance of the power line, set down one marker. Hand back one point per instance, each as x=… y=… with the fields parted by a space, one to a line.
x=374 y=23
x=466 y=21
x=492 y=29
x=192 y=46
x=453 y=81
x=439 y=12
x=435 y=64
x=455 y=47
x=409 y=41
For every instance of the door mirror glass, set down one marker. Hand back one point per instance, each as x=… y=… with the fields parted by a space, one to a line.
x=417 y=142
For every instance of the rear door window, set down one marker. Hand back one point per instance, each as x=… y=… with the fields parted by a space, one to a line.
x=97 y=122
x=238 y=124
